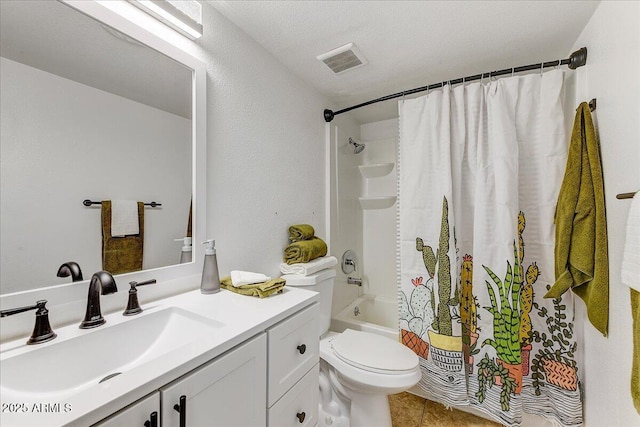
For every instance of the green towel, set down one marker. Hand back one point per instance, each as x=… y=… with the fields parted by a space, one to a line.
x=301 y=232
x=261 y=290
x=305 y=251
x=635 y=362
x=121 y=254
x=581 y=257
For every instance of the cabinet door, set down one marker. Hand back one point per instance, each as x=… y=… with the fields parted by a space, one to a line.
x=138 y=414
x=229 y=391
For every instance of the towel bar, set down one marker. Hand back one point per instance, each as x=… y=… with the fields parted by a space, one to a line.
x=625 y=195
x=88 y=202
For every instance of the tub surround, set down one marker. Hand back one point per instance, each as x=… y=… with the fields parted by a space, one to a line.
x=240 y=319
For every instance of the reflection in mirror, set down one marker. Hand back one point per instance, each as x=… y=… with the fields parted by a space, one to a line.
x=86 y=113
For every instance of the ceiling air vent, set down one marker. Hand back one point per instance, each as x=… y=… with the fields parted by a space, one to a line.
x=342 y=59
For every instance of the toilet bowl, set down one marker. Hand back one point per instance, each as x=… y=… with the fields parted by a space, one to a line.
x=358 y=370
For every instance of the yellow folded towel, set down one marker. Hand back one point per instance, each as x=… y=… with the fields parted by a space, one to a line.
x=635 y=362
x=301 y=232
x=261 y=290
x=305 y=250
x=581 y=256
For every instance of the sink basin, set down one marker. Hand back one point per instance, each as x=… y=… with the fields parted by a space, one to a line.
x=68 y=366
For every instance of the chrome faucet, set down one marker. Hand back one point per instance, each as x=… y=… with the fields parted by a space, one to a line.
x=103 y=283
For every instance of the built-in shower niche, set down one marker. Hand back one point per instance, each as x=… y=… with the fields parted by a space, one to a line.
x=371 y=173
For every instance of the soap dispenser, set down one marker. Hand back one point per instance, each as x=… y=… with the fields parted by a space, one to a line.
x=186 y=255
x=210 y=283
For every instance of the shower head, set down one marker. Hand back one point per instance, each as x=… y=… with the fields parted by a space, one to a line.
x=357 y=148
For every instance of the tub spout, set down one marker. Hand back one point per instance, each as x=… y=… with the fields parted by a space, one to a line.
x=354 y=281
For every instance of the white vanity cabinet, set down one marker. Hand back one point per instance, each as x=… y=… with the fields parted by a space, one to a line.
x=143 y=413
x=268 y=380
x=229 y=391
x=293 y=357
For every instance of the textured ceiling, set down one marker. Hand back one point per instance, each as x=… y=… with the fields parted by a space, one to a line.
x=407 y=43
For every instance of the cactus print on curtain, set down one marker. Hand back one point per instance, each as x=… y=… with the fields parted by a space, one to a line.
x=480 y=167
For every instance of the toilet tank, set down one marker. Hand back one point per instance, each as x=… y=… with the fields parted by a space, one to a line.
x=321 y=282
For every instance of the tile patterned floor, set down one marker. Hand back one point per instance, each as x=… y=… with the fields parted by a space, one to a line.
x=408 y=410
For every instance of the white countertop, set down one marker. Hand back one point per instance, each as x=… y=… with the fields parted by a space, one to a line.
x=242 y=316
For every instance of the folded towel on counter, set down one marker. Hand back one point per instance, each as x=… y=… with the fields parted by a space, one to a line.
x=121 y=254
x=239 y=278
x=301 y=232
x=581 y=254
x=305 y=250
x=124 y=218
x=631 y=251
x=311 y=267
x=260 y=290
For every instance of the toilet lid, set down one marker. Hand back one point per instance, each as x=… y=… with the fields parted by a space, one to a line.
x=373 y=352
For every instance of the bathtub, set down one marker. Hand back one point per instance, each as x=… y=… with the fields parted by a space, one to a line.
x=369 y=313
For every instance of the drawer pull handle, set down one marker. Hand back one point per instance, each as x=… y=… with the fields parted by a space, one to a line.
x=301 y=416
x=152 y=421
x=302 y=348
x=182 y=410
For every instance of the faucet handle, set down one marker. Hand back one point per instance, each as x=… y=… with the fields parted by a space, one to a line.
x=42 y=331
x=133 y=306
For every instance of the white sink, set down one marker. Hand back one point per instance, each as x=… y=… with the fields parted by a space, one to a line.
x=69 y=366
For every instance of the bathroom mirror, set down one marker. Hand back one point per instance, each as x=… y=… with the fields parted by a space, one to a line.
x=99 y=110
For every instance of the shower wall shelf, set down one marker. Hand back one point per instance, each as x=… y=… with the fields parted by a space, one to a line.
x=376 y=170
x=377 y=202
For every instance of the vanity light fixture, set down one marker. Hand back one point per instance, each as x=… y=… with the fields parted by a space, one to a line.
x=183 y=16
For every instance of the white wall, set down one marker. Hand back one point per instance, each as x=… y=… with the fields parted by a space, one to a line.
x=265 y=148
x=612 y=37
x=63 y=142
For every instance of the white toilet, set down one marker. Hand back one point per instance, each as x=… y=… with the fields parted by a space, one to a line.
x=357 y=369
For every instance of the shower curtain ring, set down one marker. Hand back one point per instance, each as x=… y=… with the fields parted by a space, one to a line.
x=513 y=69
x=541 y=68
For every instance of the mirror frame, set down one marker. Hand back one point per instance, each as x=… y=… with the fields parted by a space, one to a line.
x=63 y=295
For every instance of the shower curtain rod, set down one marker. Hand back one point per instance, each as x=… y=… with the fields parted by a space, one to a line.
x=577 y=59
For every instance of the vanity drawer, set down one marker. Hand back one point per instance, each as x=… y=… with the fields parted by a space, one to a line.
x=299 y=406
x=292 y=350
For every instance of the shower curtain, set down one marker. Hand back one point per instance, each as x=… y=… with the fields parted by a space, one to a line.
x=480 y=168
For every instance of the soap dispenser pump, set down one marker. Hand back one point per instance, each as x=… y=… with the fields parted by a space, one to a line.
x=186 y=255
x=210 y=283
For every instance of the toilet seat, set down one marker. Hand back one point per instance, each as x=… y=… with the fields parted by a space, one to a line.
x=371 y=379
x=373 y=353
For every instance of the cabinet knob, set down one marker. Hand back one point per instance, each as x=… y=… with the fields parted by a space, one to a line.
x=302 y=348
x=301 y=416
